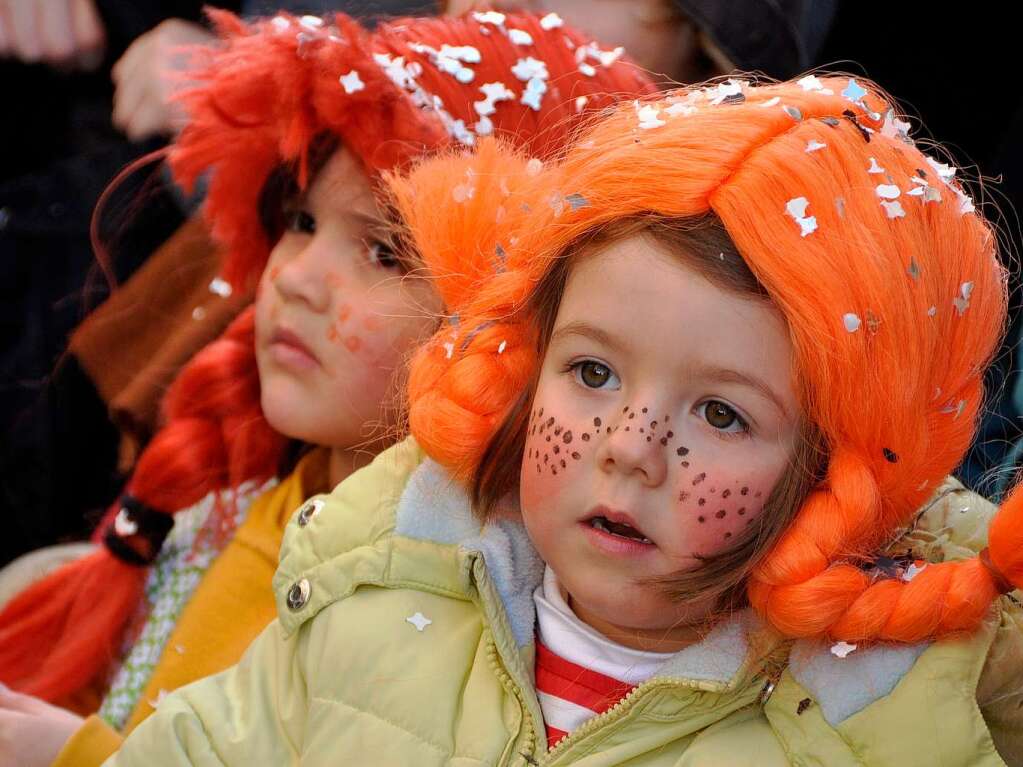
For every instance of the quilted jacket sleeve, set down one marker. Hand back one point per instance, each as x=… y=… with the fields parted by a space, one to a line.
x=252 y=713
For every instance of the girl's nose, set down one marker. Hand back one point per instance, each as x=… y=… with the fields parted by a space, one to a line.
x=630 y=452
x=302 y=277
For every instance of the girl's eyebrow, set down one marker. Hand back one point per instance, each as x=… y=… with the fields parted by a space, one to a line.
x=586 y=330
x=724 y=375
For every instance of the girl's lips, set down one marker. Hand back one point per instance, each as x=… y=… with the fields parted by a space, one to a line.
x=616 y=545
x=290 y=350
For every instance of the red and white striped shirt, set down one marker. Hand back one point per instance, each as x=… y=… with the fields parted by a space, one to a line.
x=579 y=672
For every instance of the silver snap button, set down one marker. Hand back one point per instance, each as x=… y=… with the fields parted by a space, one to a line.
x=307 y=512
x=298 y=595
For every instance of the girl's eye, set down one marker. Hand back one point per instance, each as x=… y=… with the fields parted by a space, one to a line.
x=595 y=375
x=300 y=221
x=381 y=254
x=722 y=417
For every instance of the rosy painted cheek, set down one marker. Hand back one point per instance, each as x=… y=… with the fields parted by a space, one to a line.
x=554 y=445
x=715 y=506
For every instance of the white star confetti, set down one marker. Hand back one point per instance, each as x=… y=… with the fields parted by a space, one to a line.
x=945 y=172
x=580 y=103
x=534 y=166
x=678 y=108
x=851 y=321
x=533 y=94
x=888 y=191
x=962 y=301
x=812 y=83
x=814 y=146
x=588 y=69
x=648 y=116
x=796 y=208
x=893 y=209
x=528 y=68
x=771 y=102
x=551 y=21
x=160 y=697
x=912 y=571
x=351 y=82
x=932 y=311
x=419 y=620
x=493 y=94
x=449 y=349
x=311 y=22
x=198 y=313
x=220 y=287
x=501 y=347
x=451 y=59
x=280 y=23
x=854 y=92
x=842 y=649
x=893 y=127
x=490 y=17
x=463 y=192
x=520 y=37
x=874 y=167
x=965 y=202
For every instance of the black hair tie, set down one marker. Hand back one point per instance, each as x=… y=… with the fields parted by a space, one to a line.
x=137 y=533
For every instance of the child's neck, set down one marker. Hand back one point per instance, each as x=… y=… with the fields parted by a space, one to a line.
x=662 y=640
x=345 y=461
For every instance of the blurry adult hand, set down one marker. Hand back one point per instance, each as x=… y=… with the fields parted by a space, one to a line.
x=32 y=732
x=65 y=33
x=148 y=75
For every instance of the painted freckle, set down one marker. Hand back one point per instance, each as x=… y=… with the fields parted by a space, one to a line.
x=562 y=462
x=653 y=424
x=625 y=409
x=642 y=430
x=727 y=536
x=701 y=519
x=596 y=422
x=644 y=410
x=649 y=438
x=586 y=437
x=557 y=432
x=685 y=464
x=667 y=418
x=546 y=458
x=671 y=434
x=720 y=513
x=726 y=493
x=354 y=343
x=568 y=437
x=541 y=413
x=372 y=324
x=344 y=313
x=631 y=416
x=757 y=494
x=742 y=511
x=548 y=438
x=554 y=471
x=538 y=468
x=608 y=429
x=576 y=456
x=744 y=491
x=664 y=440
x=550 y=422
x=702 y=501
x=682 y=451
x=699 y=477
x=626 y=428
x=332 y=333
x=557 y=449
x=683 y=496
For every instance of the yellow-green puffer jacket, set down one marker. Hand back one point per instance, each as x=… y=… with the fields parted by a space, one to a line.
x=405 y=637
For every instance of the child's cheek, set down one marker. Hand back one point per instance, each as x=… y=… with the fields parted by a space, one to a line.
x=364 y=334
x=554 y=447
x=715 y=506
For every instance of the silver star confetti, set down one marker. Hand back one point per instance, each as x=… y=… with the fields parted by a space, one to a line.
x=854 y=92
x=576 y=201
x=893 y=209
x=220 y=287
x=874 y=167
x=812 y=83
x=814 y=146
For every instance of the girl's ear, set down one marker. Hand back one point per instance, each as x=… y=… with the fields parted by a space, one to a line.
x=461 y=213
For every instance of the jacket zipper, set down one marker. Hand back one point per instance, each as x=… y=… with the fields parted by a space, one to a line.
x=528 y=747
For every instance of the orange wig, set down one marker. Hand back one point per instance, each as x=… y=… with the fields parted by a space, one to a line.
x=888 y=279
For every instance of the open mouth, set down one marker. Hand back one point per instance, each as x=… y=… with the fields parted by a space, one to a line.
x=619 y=529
